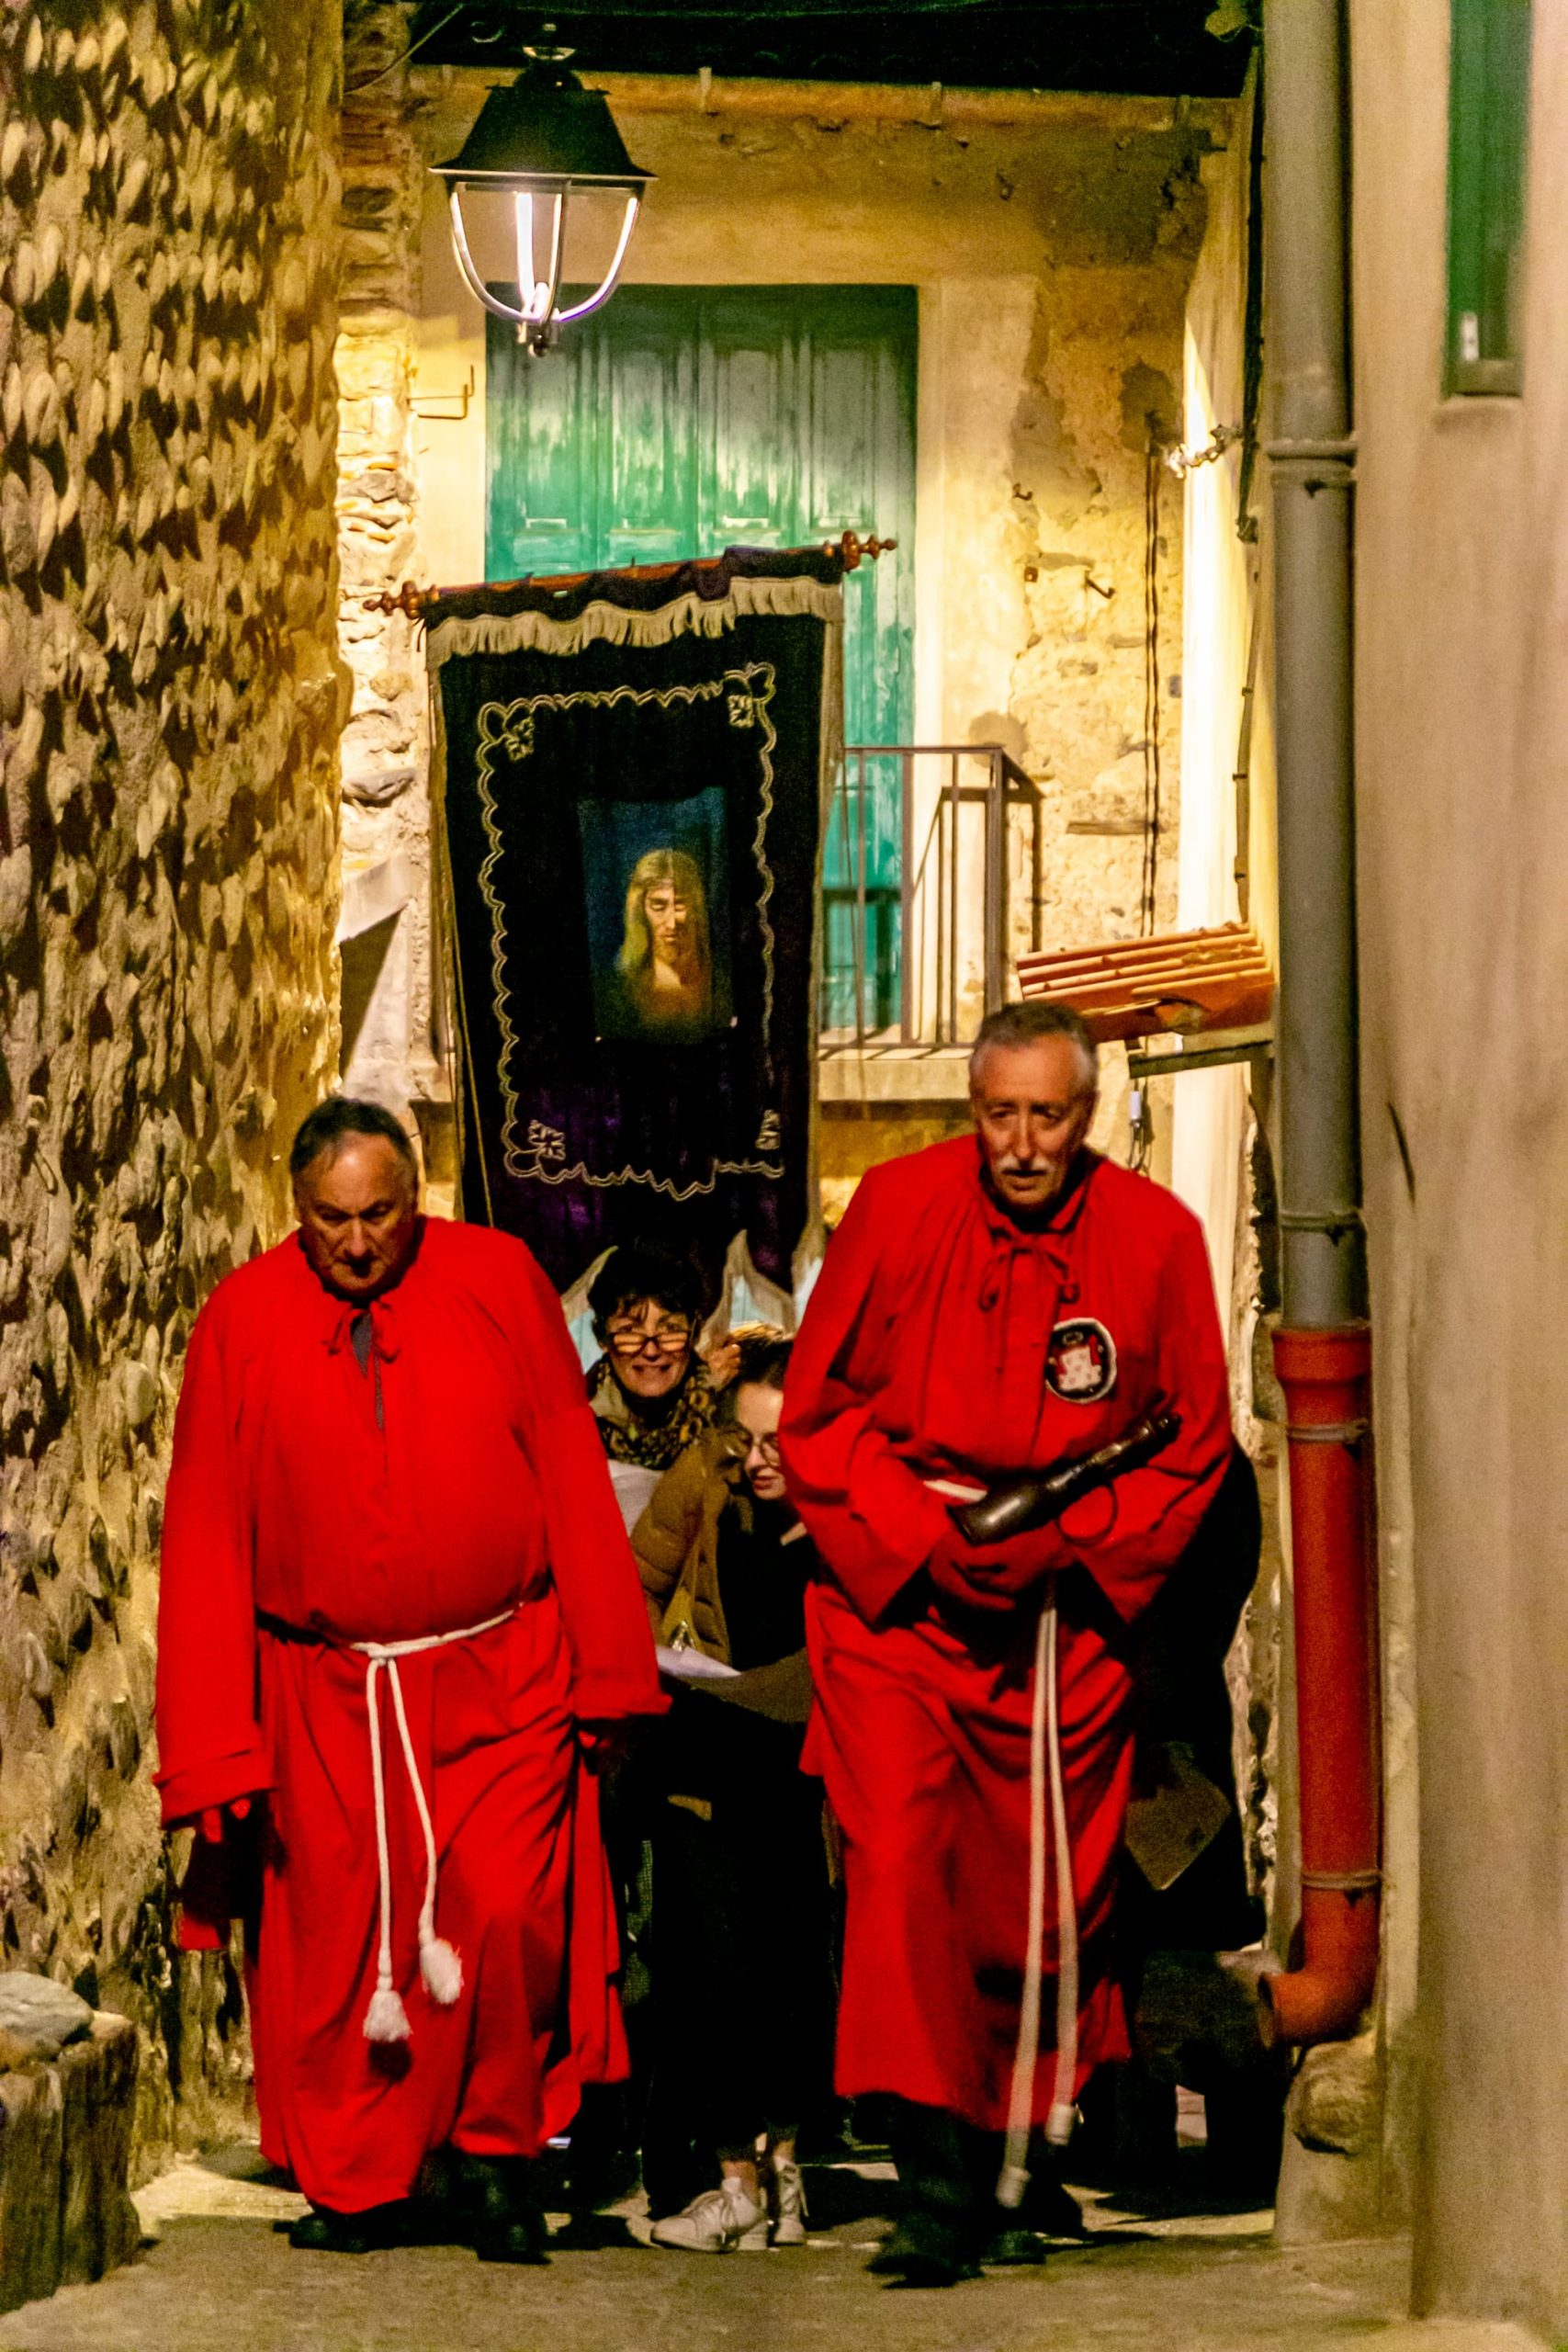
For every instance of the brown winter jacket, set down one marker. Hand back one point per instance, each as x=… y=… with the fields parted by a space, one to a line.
x=676 y=1539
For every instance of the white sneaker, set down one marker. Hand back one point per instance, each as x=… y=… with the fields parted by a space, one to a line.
x=720 y=2220
x=789 y=2207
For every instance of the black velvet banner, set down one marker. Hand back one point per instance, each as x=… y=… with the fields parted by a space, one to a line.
x=631 y=773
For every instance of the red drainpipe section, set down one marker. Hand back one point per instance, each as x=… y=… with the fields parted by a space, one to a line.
x=1326 y=1379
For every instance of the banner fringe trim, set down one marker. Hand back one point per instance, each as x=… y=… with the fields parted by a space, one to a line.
x=606 y=624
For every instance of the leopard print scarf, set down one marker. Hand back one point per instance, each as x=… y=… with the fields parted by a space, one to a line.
x=653 y=1445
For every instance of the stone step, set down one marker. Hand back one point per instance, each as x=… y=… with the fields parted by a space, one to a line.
x=66 y=2122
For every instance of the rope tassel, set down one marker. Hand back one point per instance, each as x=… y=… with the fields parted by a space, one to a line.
x=385 y=2019
x=440 y=1966
x=442 y=1970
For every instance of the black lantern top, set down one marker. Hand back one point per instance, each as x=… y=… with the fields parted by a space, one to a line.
x=545 y=128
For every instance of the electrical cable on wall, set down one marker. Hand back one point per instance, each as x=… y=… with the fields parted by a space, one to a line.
x=385 y=73
x=1154 y=467
x=1140 y=1109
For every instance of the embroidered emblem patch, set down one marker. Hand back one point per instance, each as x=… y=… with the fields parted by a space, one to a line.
x=1080 y=1361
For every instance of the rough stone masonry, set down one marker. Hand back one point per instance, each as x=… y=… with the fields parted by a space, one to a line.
x=170 y=704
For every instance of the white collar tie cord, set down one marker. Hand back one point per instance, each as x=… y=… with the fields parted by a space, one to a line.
x=387 y=2019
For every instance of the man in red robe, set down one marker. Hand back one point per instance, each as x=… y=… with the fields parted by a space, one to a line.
x=398 y=1618
x=987 y=1307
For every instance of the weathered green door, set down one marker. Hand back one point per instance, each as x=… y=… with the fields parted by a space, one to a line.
x=680 y=420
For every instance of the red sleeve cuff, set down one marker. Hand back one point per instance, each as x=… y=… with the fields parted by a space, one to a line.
x=871 y=1587
x=217 y=1780
x=613 y=1699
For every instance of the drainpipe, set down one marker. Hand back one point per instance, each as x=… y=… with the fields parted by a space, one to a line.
x=1322 y=1352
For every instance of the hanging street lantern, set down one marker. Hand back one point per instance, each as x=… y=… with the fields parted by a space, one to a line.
x=543 y=140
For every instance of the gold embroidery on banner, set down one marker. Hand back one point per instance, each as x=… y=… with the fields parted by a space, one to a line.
x=517 y=733
x=508 y=727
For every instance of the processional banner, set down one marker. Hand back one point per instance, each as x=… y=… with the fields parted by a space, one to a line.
x=629 y=777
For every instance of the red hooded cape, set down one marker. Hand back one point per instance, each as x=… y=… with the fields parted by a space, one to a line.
x=311 y=1505
x=942 y=1340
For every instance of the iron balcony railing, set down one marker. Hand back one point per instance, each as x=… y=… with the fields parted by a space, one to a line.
x=931 y=886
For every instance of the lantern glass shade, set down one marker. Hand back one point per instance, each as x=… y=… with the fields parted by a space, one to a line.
x=542 y=141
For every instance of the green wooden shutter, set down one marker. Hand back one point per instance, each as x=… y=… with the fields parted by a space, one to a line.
x=857 y=428
x=541 y=459
x=680 y=420
x=748 y=491
x=645 y=391
x=1488 y=139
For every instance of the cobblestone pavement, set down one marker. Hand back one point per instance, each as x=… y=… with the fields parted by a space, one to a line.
x=217 y=2271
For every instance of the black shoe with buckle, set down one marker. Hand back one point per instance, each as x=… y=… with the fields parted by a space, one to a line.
x=321 y=2230
x=505 y=2221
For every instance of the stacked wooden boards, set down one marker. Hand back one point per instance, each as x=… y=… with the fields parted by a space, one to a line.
x=1182 y=980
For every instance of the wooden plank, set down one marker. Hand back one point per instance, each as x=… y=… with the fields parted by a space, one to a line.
x=1186 y=981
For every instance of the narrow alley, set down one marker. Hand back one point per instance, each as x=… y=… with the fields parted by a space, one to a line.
x=784 y=1175
x=215 y=2270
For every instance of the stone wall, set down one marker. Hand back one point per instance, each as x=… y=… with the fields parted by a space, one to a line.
x=169 y=710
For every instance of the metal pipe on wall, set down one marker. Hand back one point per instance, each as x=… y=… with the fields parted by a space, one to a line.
x=1323 y=1350
x=934 y=107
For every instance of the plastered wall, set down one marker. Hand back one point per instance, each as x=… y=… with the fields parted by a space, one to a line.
x=169 y=709
x=1220 y=659
x=1462 y=594
x=386 y=815
x=1219 y=1117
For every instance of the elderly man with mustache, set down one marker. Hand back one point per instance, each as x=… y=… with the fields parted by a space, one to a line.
x=988 y=1308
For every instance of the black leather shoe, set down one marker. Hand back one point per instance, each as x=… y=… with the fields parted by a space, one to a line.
x=1051 y=2209
x=923 y=2250
x=1014 y=2247
x=526 y=2240
x=505 y=2221
x=321 y=2230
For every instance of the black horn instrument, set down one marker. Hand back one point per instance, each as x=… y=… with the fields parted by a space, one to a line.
x=1024 y=1504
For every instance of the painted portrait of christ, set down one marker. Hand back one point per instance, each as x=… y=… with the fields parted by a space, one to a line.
x=655 y=883
x=666 y=959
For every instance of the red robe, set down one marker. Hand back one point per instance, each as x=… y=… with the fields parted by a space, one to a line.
x=296 y=1524
x=944 y=1341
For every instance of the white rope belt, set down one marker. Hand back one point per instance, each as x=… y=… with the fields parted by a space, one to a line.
x=1044 y=1761
x=387 y=2019
x=1044 y=1770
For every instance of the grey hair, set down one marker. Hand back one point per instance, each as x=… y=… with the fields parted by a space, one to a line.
x=327 y=1127
x=1013 y=1025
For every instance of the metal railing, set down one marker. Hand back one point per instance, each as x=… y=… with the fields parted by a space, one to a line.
x=932 y=884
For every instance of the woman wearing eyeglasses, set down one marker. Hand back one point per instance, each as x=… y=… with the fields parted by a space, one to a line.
x=651 y=1394
x=741 y=1906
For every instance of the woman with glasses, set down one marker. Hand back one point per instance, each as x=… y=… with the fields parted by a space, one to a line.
x=741 y=1908
x=651 y=1394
